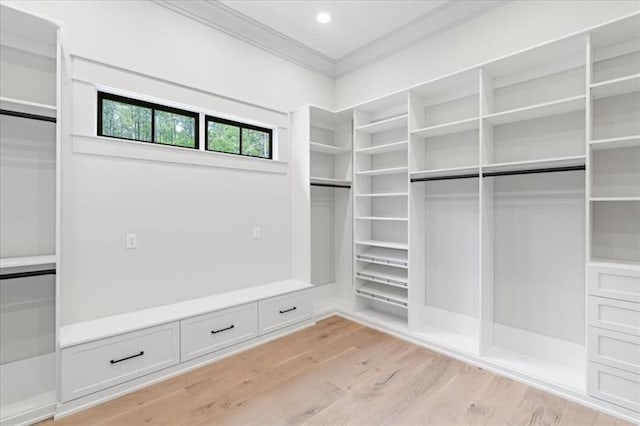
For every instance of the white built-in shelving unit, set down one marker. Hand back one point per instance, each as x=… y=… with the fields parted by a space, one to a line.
x=496 y=214
x=381 y=215
x=29 y=153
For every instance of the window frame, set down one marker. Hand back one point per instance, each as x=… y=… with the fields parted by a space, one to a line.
x=153 y=106
x=241 y=126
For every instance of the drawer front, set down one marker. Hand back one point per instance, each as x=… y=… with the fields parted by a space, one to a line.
x=615 y=386
x=617 y=283
x=107 y=362
x=614 y=315
x=210 y=332
x=615 y=349
x=282 y=311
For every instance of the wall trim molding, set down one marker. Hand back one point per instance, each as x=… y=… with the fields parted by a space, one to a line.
x=235 y=24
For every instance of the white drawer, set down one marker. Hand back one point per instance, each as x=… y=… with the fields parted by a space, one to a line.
x=210 y=332
x=614 y=315
x=93 y=366
x=281 y=311
x=618 y=283
x=615 y=349
x=616 y=386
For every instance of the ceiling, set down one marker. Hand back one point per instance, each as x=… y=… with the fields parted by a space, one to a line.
x=353 y=23
x=360 y=32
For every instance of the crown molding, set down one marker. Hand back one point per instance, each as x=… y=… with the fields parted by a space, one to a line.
x=231 y=22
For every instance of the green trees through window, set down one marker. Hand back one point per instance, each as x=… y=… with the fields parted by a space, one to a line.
x=126 y=118
x=238 y=138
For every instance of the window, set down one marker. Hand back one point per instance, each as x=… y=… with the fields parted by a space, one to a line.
x=126 y=118
x=233 y=137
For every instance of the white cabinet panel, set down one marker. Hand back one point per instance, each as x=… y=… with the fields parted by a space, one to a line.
x=282 y=311
x=93 y=366
x=210 y=332
x=615 y=315
x=616 y=386
x=618 y=350
x=617 y=283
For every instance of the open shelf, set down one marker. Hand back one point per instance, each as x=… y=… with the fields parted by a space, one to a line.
x=381 y=172
x=27 y=261
x=613 y=143
x=384 y=194
x=28 y=386
x=566 y=377
x=448 y=128
x=385 y=275
x=383 y=293
x=448 y=172
x=27 y=107
x=613 y=263
x=384 y=148
x=329 y=181
x=326 y=149
x=383 y=244
x=562 y=106
x=601 y=199
x=616 y=86
x=578 y=160
x=384 y=125
x=383 y=256
x=391 y=219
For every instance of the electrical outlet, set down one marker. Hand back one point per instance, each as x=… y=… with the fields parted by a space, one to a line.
x=256 y=233
x=132 y=241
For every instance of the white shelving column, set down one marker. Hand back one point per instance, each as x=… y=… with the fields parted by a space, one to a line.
x=532 y=217
x=613 y=305
x=30 y=70
x=381 y=213
x=444 y=167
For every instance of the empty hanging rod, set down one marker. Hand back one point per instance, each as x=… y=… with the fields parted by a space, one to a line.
x=27 y=115
x=534 y=171
x=426 y=179
x=27 y=274
x=330 y=185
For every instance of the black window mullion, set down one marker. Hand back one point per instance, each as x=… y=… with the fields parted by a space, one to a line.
x=153 y=125
x=240 y=130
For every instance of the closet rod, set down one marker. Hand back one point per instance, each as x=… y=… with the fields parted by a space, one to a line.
x=27 y=115
x=27 y=274
x=427 y=179
x=331 y=185
x=533 y=171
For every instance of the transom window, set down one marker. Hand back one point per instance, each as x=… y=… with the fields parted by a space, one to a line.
x=125 y=118
x=233 y=137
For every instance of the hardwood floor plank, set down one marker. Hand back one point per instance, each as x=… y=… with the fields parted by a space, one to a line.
x=338 y=372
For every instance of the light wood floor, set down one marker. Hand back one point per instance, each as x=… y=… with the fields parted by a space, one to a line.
x=339 y=372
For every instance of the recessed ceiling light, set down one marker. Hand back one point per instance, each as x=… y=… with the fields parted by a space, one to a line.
x=323 y=17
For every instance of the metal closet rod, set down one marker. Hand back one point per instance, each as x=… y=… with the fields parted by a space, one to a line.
x=16 y=275
x=331 y=185
x=27 y=115
x=504 y=173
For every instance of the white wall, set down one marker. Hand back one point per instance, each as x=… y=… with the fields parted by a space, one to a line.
x=194 y=223
x=507 y=29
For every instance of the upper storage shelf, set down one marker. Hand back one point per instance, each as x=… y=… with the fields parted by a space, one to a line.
x=615 y=53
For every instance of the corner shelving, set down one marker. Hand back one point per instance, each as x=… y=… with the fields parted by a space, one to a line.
x=457 y=172
x=326 y=149
x=383 y=148
x=383 y=244
x=381 y=172
x=383 y=194
x=613 y=143
x=330 y=181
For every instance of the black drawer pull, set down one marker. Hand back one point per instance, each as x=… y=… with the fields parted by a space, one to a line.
x=288 y=310
x=222 y=329
x=115 y=361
